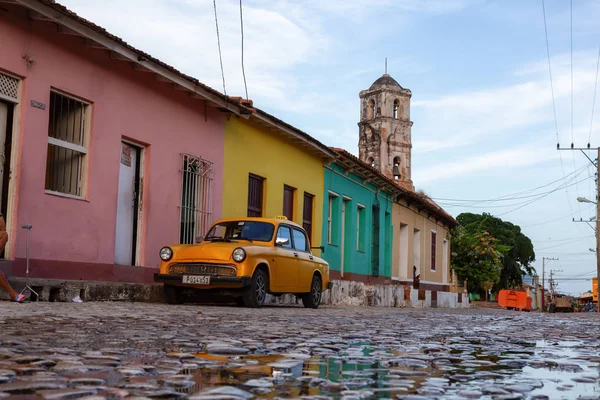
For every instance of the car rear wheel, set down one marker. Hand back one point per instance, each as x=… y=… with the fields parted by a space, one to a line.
x=172 y=294
x=256 y=293
x=313 y=298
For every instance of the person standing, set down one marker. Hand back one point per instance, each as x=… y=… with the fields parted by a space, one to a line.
x=19 y=298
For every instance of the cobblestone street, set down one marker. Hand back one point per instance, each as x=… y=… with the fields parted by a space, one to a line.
x=137 y=350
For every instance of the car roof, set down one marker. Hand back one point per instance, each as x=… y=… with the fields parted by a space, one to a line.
x=274 y=221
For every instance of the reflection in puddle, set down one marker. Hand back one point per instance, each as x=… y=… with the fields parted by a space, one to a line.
x=557 y=370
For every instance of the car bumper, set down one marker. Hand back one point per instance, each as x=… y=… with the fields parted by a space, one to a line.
x=215 y=281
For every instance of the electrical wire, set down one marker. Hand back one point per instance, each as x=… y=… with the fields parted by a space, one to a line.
x=572 y=77
x=550 y=71
x=511 y=196
x=552 y=220
x=560 y=240
x=594 y=101
x=558 y=245
x=572 y=102
x=554 y=103
x=242 y=30
x=532 y=201
x=536 y=197
x=219 y=45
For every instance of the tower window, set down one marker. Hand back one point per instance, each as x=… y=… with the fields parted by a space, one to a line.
x=396 y=109
x=371 y=162
x=371 y=109
x=396 y=169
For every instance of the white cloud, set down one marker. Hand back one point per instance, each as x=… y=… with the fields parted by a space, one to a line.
x=182 y=33
x=501 y=159
x=475 y=116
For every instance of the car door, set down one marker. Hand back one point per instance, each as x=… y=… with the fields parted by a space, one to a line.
x=284 y=268
x=305 y=258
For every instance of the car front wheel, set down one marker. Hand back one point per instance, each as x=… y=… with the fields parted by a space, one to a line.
x=313 y=298
x=256 y=293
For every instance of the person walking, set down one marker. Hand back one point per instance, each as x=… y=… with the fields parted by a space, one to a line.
x=19 y=298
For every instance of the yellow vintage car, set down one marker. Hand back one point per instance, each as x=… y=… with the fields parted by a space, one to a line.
x=247 y=258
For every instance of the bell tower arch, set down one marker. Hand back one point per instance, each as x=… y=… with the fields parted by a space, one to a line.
x=385 y=129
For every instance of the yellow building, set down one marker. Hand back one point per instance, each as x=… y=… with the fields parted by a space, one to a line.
x=272 y=168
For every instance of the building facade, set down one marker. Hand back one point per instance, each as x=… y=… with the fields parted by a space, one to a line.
x=273 y=169
x=357 y=228
x=108 y=153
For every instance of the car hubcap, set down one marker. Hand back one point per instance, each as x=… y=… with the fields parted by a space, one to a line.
x=316 y=292
x=260 y=290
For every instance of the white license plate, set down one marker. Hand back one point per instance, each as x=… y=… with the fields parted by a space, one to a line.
x=197 y=279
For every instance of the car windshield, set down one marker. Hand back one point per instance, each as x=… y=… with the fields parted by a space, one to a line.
x=241 y=230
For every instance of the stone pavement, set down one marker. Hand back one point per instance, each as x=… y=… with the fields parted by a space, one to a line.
x=116 y=350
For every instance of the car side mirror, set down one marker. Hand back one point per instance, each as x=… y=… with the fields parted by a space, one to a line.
x=199 y=239
x=281 y=241
x=322 y=248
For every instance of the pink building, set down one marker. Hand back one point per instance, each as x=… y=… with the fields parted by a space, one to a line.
x=109 y=153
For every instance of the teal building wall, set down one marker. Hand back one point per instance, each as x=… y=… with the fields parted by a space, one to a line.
x=363 y=225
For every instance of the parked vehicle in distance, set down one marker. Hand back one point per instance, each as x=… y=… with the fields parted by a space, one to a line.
x=246 y=258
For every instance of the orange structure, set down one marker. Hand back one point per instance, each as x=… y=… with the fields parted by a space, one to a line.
x=514 y=300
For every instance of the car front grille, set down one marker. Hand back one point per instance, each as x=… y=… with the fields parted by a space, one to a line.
x=202 y=269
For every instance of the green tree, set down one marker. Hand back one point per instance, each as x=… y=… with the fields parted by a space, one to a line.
x=517 y=260
x=477 y=257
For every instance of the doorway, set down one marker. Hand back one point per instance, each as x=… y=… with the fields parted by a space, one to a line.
x=6 y=129
x=128 y=202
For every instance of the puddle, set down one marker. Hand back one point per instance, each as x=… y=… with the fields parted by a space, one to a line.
x=417 y=355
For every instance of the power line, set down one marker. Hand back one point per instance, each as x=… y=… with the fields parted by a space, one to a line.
x=562 y=166
x=219 y=45
x=511 y=196
x=550 y=71
x=534 y=200
x=594 y=101
x=561 y=240
x=552 y=220
x=242 y=29
x=558 y=245
x=572 y=102
x=572 y=78
x=535 y=197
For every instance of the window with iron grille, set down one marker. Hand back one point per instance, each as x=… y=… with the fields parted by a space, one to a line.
x=196 y=198
x=433 y=249
x=307 y=214
x=9 y=88
x=255 y=195
x=68 y=132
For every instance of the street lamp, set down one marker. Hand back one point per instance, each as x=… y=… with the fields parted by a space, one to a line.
x=584 y=200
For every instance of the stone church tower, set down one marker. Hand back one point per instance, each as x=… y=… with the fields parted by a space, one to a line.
x=385 y=129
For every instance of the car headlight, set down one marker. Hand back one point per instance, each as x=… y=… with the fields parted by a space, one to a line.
x=239 y=254
x=166 y=253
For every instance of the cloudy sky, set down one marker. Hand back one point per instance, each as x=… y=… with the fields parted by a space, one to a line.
x=484 y=133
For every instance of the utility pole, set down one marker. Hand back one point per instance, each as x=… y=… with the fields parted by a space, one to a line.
x=551 y=281
x=597 y=165
x=544 y=277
